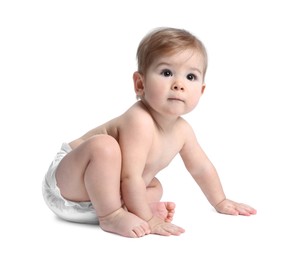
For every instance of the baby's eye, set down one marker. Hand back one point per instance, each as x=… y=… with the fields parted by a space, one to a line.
x=166 y=73
x=191 y=77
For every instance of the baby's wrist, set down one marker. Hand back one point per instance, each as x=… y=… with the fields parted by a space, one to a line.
x=218 y=203
x=154 y=222
x=150 y=219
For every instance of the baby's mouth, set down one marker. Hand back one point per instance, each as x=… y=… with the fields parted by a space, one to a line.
x=175 y=99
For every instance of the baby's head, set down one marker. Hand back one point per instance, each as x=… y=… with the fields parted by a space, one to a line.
x=167 y=41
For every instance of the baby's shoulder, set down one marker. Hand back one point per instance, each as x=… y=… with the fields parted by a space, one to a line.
x=185 y=130
x=136 y=116
x=183 y=124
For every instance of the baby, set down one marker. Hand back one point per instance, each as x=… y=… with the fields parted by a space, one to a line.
x=107 y=176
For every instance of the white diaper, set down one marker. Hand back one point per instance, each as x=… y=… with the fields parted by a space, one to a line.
x=82 y=212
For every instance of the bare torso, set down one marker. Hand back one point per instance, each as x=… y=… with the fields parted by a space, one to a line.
x=164 y=147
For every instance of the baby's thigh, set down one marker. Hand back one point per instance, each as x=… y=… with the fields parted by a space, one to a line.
x=70 y=175
x=71 y=170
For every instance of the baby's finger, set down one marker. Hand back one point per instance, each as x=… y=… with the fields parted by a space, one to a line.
x=231 y=211
x=245 y=210
x=174 y=230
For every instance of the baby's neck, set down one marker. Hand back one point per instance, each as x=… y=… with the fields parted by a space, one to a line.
x=163 y=123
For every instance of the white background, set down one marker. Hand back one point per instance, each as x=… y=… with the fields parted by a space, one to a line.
x=66 y=67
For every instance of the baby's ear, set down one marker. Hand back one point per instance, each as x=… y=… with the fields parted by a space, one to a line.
x=138 y=84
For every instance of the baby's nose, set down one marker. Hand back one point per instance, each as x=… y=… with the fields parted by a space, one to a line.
x=177 y=87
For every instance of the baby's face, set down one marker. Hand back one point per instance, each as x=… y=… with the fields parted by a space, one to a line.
x=174 y=84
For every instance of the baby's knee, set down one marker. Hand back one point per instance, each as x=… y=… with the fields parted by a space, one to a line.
x=104 y=146
x=155 y=183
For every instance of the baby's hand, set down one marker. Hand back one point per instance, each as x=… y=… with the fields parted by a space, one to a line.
x=233 y=208
x=160 y=227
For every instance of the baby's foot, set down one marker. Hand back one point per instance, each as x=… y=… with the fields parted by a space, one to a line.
x=124 y=223
x=163 y=210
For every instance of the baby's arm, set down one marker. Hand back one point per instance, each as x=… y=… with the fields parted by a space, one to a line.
x=205 y=174
x=136 y=138
x=135 y=144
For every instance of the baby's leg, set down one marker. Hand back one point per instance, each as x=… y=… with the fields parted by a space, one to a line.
x=163 y=210
x=92 y=172
x=154 y=191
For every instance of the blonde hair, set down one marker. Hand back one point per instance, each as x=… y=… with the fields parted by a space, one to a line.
x=166 y=41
